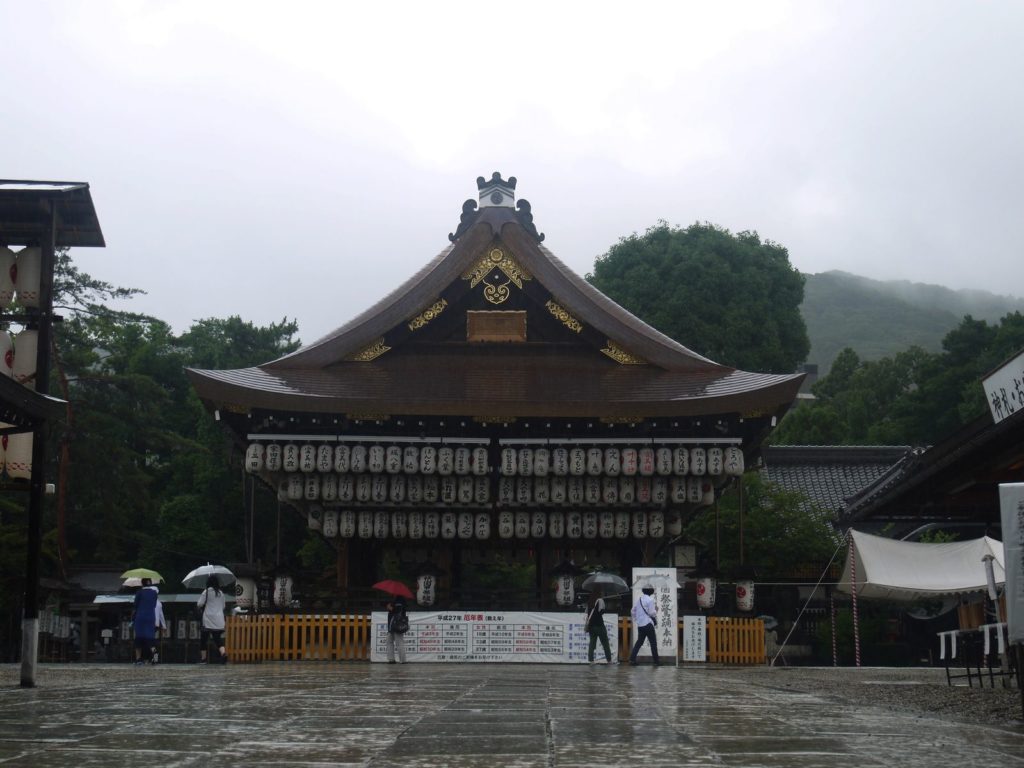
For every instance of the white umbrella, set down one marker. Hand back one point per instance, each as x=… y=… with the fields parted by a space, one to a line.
x=605 y=582
x=196 y=579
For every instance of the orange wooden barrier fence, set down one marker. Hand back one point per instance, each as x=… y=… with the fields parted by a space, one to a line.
x=735 y=641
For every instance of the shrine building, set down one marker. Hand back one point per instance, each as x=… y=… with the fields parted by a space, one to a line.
x=495 y=402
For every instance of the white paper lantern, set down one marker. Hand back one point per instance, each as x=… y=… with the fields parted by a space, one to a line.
x=509 y=461
x=680 y=461
x=733 y=461
x=525 y=460
x=346 y=487
x=629 y=461
x=426 y=586
x=399 y=525
x=656 y=525
x=414 y=489
x=678 y=490
x=431 y=524
x=560 y=462
x=325 y=458
x=643 y=490
x=483 y=526
x=347 y=523
x=330 y=524
x=329 y=487
x=245 y=592
x=574 y=524
x=606 y=525
x=8 y=259
x=465 y=492
x=592 y=490
x=449 y=489
x=557 y=490
x=574 y=490
x=311 y=487
x=428 y=460
x=26 y=347
x=307 y=458
x=627 y=489
x=415 y=525
x=610 y=490
x=524 y=486
x=254 y=457
x=392 y=459
x=590 y=525
x=595 y=461
x=357 y=459
x=716 y=464
x=445 y=460
x=612 y=462
x=461 y=460
x=375 y=455
x=290 y=458
x=698 y=461
x=673 y=523
x=365 y=525
x=522 y=525
x=379 y=492
x=538 y=524
x=541 y=490
x=659 y=490
x=28 y=276
x=480 y=463
x=364 y=487
x=556 y=525
x=449 y=525
x=296 y=484
x=396 y=493
x=577 y=462
x=411 y=460
x=694 y=493
x=622 y=525
x=645 y=461
x=380 y=525
x=506 y=490
x=431 y=487
x=541 y=462
x=706 y=588
x=663 y=461
x=272 y=458
x=745 y=595
x=481 y=490
x=506 y=524
x=342 y=455
x=565 y=591
x=19 y=456
x=639 y=525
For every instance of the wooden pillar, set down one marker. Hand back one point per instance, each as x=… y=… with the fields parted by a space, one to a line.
x=341 y=564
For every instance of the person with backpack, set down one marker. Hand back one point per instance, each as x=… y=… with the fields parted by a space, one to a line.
x=211 y=605
x=398 y=625
x=596 y=628
x=645 y=614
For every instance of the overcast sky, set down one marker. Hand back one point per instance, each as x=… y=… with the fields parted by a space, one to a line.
x=300 y=159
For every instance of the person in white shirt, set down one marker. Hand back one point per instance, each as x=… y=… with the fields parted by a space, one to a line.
x=645 y=613
x=212 y=604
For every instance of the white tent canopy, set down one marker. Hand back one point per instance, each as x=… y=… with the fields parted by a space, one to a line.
x=906 y=570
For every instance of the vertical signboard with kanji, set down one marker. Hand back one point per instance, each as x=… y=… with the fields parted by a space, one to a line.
x=663 y=580
x=1011 y=502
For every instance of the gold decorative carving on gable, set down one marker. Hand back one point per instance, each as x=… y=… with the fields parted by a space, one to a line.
x=564 y=317
x=485 y=270
x=621 y=356
x=428 y=314
x=371 y=352
x=234 y=408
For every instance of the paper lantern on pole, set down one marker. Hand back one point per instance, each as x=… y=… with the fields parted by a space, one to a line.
x=506 y=524
x=325 y=458
x=733 y=460
x=556 y=525
x=282 y=485
x=694 y=490
x=26 y=347
x=557 y=490
x=707 y=497
x=365 y=525
x=445 y=460
x=431 y=487
x=678 y=490
x=254 y=457
x=347 y=523
x=431 y=524
x=380 y=525
x=399 y=525
x=245 y=592
x=706 y=588
x=19 y=456
x=272 y=458
x=393 y=460
x=27 y=277
x=560 y=462
x=659 y=491
x=357 y=459
x=330 y=523
x=342 y=455
x=524 y=490
x=329 y=487
x=414 y=488
x=643 y=490
x=428 y=460
x=538 y=525
x=509 y=461
x=506 y=491
x=656 y=525
x=673 y=523
x=522 y=525
x=541 y=462
x=480 y=463
x=307 y=458
x=8 y=259
x=745 y=595
x=592 y=490
x=290 y=458
x=574 y=490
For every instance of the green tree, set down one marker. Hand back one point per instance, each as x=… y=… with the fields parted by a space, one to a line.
x=732 y=298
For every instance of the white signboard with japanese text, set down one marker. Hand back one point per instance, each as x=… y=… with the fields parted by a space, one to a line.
x=1011 y=503
x=665 y=588
x=1004 y=389
x=695 y=638
x=493 y=636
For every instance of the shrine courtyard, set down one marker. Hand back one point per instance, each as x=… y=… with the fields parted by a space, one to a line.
x=349 y=714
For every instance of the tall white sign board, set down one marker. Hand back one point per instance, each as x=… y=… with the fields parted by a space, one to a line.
x=665 y=598
x=1011 y=503
x=1004 y=389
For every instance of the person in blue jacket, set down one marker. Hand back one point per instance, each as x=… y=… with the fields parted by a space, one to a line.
x=144 y=621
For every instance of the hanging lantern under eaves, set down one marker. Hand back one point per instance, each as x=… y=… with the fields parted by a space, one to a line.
x=716 y=464
x=595 y=461
x=733 y=460
x=428 y=460
x=506 y=524
x=253 y=456
x=480 y=463
x=426 y=588
x=26 y=346
x=307 y=458
x=538 y=524
x=565 y=591
x=392 y=459
x=541 y=462
x=347 y=523
x=19 y=456
x=28 y=276
x=357 y=459
x=330 y=523
x=325 y=458
x=524 y=458
x=272 y=458
x=399 y=524
x=463 y=460
x=680 y=461
x=411 y=460
x=342 y=454
x=290 y=458
x=482 y=526
x=415 y=525
x=8 y=259
x=663 y=461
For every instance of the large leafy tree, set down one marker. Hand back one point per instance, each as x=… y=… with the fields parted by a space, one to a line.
x=733 y=298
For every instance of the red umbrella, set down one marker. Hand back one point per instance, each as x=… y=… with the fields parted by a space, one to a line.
x=393 y=587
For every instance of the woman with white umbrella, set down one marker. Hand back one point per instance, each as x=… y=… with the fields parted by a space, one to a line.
x=211 y=603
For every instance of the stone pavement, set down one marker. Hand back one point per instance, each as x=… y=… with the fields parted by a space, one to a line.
x=348 y=714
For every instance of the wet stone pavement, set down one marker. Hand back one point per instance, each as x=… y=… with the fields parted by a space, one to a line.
x=360 y=714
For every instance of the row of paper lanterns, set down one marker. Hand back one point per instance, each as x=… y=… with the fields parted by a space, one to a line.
x=512 y=491
x=18 y=355
x=523 y=462
x=575 y=524
x=20 y=274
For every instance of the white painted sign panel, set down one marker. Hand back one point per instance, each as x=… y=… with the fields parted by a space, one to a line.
x=665 y=588
x=695 y=638
x=491 y=636
x=1004 y=389
x=1011 y=502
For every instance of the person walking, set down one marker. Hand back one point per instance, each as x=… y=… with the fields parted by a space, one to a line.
x=398 y=625
x=161 y=629
x=596 y=628
x=144 y=621
x=211 y=603
x=645 y=620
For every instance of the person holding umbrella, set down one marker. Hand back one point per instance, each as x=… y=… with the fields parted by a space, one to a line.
x=398 y=625
x=144 y=620
x=645 y=620
x=596 y=628
x=211 y=603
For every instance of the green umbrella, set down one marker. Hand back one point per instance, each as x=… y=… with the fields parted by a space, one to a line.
x=143 y=573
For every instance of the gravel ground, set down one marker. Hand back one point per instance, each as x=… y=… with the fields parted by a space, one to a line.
x=918 y=689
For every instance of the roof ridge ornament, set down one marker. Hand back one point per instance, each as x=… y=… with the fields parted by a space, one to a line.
x=496 y=192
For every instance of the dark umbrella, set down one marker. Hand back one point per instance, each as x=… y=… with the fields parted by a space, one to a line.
x=393 y=587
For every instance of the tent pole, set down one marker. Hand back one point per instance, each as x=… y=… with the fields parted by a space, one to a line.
x=853 y=593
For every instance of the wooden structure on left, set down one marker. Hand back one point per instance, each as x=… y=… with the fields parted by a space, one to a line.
x=495 y=403
x=36 y=219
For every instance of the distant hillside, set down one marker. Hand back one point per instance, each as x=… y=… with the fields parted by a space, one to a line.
x=878 y=318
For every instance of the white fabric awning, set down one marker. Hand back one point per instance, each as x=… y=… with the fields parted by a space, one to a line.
x=908 y=570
